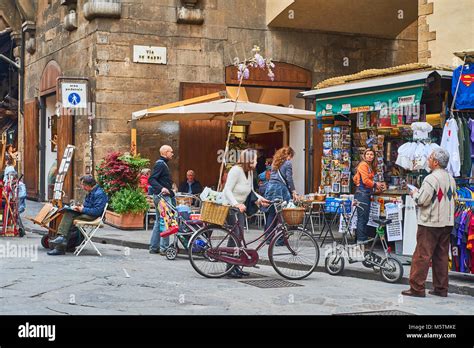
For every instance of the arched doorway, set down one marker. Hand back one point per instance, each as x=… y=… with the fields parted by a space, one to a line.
x=48 y=122
x=46 y=136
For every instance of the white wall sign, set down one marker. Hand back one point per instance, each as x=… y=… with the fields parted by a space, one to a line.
x=407 y=100
x=346 y=108
x=149 y=54
x=74 y=95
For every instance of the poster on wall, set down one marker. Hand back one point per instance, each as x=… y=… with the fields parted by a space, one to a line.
x=410 y=227
x=345 y=219
x=374 y=214
x=394 y=229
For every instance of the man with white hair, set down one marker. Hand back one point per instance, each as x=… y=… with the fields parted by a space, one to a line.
x=161 y=188
x=190 y=185
x=435 y=200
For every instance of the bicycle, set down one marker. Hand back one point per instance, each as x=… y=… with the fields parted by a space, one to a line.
x=215 y=251
x=391 y=269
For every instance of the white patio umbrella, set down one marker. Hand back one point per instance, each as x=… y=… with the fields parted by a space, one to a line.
x=226 y=110
x=223 y=109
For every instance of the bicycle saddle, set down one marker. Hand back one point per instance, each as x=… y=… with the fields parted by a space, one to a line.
x=383 y=222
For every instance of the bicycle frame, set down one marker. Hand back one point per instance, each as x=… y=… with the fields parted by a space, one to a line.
x=241 y=254
x=277 y=225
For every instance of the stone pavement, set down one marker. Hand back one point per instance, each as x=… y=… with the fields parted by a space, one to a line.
x=139 y=239
x=132 y=281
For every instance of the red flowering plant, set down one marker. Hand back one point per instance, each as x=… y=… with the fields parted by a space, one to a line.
x=119 y=171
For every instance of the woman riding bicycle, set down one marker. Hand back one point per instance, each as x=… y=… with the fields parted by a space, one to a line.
x=364 y=182
x=237 y=188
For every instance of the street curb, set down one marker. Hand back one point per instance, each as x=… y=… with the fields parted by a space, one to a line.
x=353 y=273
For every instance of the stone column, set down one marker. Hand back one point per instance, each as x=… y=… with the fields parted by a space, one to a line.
x=424 y=34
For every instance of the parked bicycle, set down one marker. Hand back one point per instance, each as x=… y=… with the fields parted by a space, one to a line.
x=391 y=269
x=217 y=250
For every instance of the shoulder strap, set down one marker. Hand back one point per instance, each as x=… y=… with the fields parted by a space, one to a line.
x=282 y=178
x=160 y=160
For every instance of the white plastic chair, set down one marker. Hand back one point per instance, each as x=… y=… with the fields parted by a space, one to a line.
x=88 y=229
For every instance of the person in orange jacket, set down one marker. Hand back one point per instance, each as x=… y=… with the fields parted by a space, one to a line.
x=365 y=185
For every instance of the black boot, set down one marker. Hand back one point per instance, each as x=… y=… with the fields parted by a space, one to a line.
x=235 y=273
x=241 y=272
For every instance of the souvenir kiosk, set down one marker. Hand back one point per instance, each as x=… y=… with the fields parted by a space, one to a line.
x=388 y=110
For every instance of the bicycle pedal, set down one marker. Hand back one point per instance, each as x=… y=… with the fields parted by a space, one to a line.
x=258 y=267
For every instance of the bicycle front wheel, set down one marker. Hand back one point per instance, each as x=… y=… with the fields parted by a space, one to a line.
x=294 y=254
x=204 y=243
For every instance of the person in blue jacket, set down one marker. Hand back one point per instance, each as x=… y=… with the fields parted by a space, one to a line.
x=93 y=208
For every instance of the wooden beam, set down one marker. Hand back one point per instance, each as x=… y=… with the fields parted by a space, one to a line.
x=204 y=98
x=133 y=138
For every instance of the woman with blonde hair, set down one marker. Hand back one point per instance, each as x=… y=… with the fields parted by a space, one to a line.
x=238 y=186
x=365 y=185
x=281 y=184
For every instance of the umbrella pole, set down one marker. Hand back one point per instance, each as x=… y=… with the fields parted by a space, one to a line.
x=219 y=188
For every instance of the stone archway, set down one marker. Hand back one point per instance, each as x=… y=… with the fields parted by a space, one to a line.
x=51 y=72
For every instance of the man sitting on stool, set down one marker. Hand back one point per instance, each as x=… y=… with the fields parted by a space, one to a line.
x=93 y=208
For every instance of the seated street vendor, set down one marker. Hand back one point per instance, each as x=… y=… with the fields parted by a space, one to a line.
x=93 y=208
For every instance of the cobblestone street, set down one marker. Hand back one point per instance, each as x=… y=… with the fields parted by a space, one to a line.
x=132 y=281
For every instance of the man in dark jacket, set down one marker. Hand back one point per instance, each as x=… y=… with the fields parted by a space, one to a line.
x=93 y=208
x=191 y=185
x=161 y=187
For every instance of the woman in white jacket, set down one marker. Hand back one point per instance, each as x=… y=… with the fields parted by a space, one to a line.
x=237 y=188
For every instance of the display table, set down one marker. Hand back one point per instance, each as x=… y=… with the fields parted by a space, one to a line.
x=326 y=219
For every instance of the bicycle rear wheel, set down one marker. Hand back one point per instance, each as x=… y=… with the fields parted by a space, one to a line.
x=294 y=254
x=209 y=239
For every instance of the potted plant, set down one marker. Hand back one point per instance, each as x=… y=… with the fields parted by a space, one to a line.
x=118 y=175
x=128 y=208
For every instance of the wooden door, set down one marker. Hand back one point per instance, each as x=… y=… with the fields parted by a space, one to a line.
x=66 y=137
x=31 y=149
x=200 y=141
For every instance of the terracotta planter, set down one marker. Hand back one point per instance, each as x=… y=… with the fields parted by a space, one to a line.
x=125 y=222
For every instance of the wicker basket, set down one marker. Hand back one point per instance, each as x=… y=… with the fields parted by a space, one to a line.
x=214 y=213
x=293 y=216
x=184 y=201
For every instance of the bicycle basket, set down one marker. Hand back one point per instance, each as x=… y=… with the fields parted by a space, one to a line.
x=293 y=216
x=214 y=213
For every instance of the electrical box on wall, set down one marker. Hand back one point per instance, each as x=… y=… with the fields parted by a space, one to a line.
x=149 y=54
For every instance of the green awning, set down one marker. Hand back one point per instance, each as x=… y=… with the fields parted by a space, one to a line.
x=368 y=100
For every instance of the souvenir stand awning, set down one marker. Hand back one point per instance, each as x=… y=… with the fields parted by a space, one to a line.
x=371 y=94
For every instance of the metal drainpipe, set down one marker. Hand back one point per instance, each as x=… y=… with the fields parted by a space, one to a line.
x=21 y=101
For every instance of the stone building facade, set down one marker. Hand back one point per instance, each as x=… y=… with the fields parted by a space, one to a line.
x=202 y=38
x=444 y=27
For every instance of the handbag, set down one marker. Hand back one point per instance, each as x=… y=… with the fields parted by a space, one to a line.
x=251 y=207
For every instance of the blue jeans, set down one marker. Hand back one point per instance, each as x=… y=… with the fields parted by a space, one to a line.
x=156 y=240
x=362 y=194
